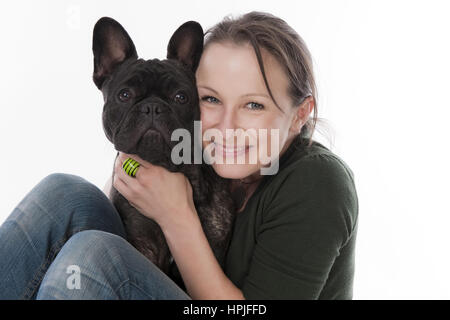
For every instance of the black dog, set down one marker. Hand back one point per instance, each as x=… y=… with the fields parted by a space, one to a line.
x=145 y=100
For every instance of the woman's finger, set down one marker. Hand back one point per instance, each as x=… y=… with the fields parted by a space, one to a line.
x=142 y=162
x=122 y=156
x=121 y=187
x=142 y=172
x=120 y=173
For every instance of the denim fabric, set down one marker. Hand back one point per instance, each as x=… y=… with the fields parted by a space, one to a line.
x=66 y=229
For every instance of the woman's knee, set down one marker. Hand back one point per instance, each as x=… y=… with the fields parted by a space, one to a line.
x=99 y=265
x=87 y=267
x=57 y=183
x=62 y=188
x=94 y=250
x=70 y=201
x=61 y=178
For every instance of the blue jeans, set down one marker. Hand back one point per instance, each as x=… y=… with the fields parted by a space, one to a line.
x=65 y=240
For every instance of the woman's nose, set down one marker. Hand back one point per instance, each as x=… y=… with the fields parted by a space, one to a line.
x=228 y=123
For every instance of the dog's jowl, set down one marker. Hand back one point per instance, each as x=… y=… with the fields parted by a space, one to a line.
x=144 y=102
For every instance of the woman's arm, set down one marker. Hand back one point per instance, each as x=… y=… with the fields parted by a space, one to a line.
x=166 y=197
x=202 y=274
x=304 y=246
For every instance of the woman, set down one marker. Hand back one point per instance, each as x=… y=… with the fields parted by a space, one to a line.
x=294 y=235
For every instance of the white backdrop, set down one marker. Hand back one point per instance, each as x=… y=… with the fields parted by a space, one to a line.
x=382 y=70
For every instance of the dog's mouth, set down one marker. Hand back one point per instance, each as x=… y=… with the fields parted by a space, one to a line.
x=131 y=142
x=151 y=134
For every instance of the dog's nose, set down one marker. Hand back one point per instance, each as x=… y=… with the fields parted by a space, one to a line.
x=145 y=109
x=148 y=108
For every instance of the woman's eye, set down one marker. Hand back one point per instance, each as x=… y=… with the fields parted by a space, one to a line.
x=125 y=95
x=209 y=99
x=255 y=106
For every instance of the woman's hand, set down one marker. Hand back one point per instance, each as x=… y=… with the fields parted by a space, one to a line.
x=157 y=193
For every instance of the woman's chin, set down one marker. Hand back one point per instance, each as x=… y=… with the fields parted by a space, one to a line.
x=235 y=171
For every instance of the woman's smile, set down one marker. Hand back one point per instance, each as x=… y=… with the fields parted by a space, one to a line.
x=230 y=150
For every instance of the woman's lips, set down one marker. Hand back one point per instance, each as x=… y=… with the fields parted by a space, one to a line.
x=231 y=150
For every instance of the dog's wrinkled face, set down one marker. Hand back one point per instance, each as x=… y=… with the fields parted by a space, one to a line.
x=144 y=103
x=146 y=100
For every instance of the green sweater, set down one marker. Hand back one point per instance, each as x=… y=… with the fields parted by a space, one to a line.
x=295 y=239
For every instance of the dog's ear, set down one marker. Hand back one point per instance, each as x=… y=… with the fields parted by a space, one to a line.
x=186 y=44
x=111 y=46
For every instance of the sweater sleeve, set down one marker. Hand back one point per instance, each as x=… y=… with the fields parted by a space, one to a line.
x=309 y=216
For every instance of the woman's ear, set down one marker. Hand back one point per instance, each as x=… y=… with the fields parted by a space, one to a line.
x=301 y=115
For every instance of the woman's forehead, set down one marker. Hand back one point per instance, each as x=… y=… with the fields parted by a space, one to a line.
x=239 y=63
x=228 y=55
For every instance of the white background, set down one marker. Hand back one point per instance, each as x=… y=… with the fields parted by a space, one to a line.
x=382 y=70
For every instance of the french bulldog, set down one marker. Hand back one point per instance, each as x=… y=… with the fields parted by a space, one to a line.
x=144 y=102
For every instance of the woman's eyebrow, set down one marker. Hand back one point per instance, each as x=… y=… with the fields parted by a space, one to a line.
x=245 y=95
x=205 y=87
x=256 y=94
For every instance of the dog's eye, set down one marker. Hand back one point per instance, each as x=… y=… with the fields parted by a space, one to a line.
x=180 y=98
x=125 y=95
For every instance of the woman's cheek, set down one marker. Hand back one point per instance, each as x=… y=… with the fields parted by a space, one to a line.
x=276 y=138
x=208 y=117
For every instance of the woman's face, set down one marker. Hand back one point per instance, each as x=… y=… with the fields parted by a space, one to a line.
x=233 y=95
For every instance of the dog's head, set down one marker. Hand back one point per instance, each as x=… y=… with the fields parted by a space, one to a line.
x=146 y=100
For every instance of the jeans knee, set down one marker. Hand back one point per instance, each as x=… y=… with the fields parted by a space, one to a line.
x=68 y=203
x=70 y=182
x=93 y=242
x=88 y=266
x=97 y=249
x=61 y=178
x=99 y=265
